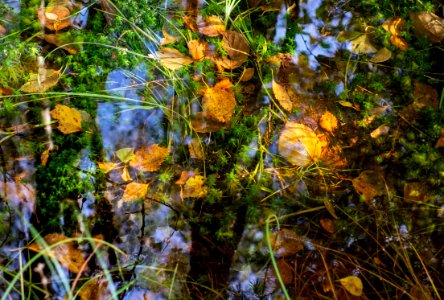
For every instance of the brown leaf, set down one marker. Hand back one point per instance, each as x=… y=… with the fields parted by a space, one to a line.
x=394 y=25
x=219 y=101
x=425 y=95
x=285 y=271
x=55 y=17
x=203 y=122
x=236 y=46
x=195 y=148
x=95 y=289
x=328 y=122
x=399 y=42
x=42 y=81
x=109 y=11
x=285 y=242
x=172 y=59
x=285 y=94
x=382 y=55
x=440 y=141
x=428 y=24
x=299 y=144
x=66 y=253
x=44 y=157
x=226 y=63
x=190 y=23
x=369 y=184
x=59 y=41
x=211 y=26
x=135 y=191
x=197 y=49
x=381 y=130
x=247 y=74
x=328 y=225
x=149 y=158
x=70 y=119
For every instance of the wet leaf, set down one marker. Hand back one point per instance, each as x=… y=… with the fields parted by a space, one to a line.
x=125 y=175
x=70 y=119
x=369 y=184
x=349 y=104
x=44 y=156
x=428 y=24
x=381 y=130
x=236 y=46
x=95 y=289
x=299 y=144
x=285 y=271
x=135 y=191
x=353 y=285
x=416 y=192
x=184 y=176
x=211 y=26
x=190 y=23
x=172 y=59
x=399 y=42
x=41 y=82
x=66 y=253
x=203 y=122
x=168 y=38
x=394 y=25
x=107 y=166
x=285 y=94
x=125 y=154
x=195 y=148
x=226 y=63
x=219 y=101
x=285 y=242
x=59 y=41
x=382 y=55
x=149 y=158
x=425 y=95
x=362 y=45
x=328 y=122
x=55 y=17
x=344 y=36
x=247 y=74
x=197 y=49
x=328 y=225
x=194 y=185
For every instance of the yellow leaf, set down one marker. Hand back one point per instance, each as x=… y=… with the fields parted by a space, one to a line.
x=149 y=158
x=172 y=59
x=197 y=49
x=382 y=55
x=70 y=119
x=226 y=63
x=219 y=101
x=381 y=130
x=353 y=285
x=194 y=187
x=168 y=38
x=349 y=104
x=95 y=289
x=125 y=154
x=394 y=25
x=126 y=175
x=44 y=156
x=399 y=42
x=299 y=144
x=41 y=82
x=328 y=122
x=195 y=148
x=236 y=46
x=363 y=45
x=285 y=94
x=211 y=26
x=66 y=253
x=135 y=191
x=107 y=166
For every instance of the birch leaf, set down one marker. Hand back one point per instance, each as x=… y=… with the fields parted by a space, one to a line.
x=107 y=166
x=149 y=158
x=70 y=119
x=211 y=26
x=125 y=154
x=135 y=191
x=42 y=81
x=353 y=285
x=236 y=46
x=285 y=95
x=197 y=49
x=219 y=101
x=172 y=59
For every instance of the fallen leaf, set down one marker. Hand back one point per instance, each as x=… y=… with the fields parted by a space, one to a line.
x=135 y=191
x=440 y=141
x=44 y=157
x=328 y=225
x=194 y=186
x=42 y=81
x=203 y=122
x=328 y=122
x=329 y=206
x=299 y=144
x=184 y=176
x=247 y=74
x=285 y=271
x=195 y=148
x=197 y=49
x=190 y=23
x=219 y=101
x=428 y=24
x=55 y=17
x=210 y=26
x=285 y=94
x=125 y=175
x=425 y=95
x=226 y=63
x=172 y=59
x=363 y=45
x=107 y=166
x=381 y=130
x=59 y=41
x=236 y=46
x=109 y=11
x=399 y=42
x=382 y=55
x=369 y=184
x=70 y=119
x=394 y=25
x=355 y=106
x=168 y=38
x=285 y=242
x=149 y=158
x=416 y=192
x=95 y=289
x=66 y=253
x=353 y=285
x=125 y=154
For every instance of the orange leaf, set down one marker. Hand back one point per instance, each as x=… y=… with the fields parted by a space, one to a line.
x=56 y=39
x=381 y=130
x=328 y=225
x=66 y=253
x=247 y=74
x=394 y=25
x=95 y=289
x=55 y=17
x=70 y=119
x=399 y=42
x=135 y=191
x=211 y=26
x=328 y=122
x=44 y=156
x=197 y=49
x=149 y=158
x=219 y=101
x=184 y=176
x=107 y=166
x=193 y=187
x=285 y=242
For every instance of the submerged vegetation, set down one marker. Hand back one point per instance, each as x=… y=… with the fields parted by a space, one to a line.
x=223 y=149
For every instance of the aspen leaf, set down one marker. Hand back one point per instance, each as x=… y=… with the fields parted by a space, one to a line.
x=219 y=101
x=382 y=55
x=107 y=166
x=41 y=82
x=328 y=122
x=285 y=95
x=135 y=191
x=211 y=26
x=125 y=154
x=236 y=46
x=70 y=119
x=66 y=253
x=353 y=285
x=172 y=59
x=226 y=63
x=299 y=144
x=126 y=175
x=149 y=158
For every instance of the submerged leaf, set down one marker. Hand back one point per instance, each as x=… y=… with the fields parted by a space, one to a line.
x=363 y=45
x=172 y=59
x=107 y=166
x=247 y=74
x=285 y=94
x=382 y=55
x=149 y=158
x=41 y=82
x=95 y=289
x=70 y=119
x=219 y=101
x=369 y=184
x=399 y=42
x=428 y=24
x=299 y=144
x=135 y=191
x=328 y=122
x=197 y=49
x=203 y=122
x=236 y=46
x=211 y=26
x=55 y=16
x=193 y=185
x=126 y=175
x=285 y=242
x=394 y=25
x=353 y=285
